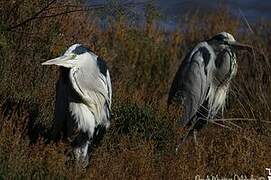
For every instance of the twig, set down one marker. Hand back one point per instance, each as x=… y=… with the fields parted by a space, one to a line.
x=62 y=13
x=243 y=16
x=76 y=6
x=235 y=125
x=243 y=119
x=33 y=17
x=47 y=7
x=221 y=125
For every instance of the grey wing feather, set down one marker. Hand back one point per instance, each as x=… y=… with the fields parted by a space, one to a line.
x=93 y=84
x=176 y=86
x=92 y=81
x=109 y=87
x=105 y=76
x=191 y=85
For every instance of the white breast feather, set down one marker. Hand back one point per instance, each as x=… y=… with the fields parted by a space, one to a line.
x=83 y=117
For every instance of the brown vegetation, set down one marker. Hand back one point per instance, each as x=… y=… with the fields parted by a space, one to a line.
x=141 y=141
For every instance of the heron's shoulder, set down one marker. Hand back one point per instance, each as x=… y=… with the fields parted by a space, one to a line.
x=202 y=49
x=205 y=50
x=203 y=46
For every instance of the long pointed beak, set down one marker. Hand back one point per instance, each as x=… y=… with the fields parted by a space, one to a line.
x=240 y=45
x=60 y=61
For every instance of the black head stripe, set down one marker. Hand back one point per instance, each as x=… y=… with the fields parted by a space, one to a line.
x=81 y=50
x=219 y=37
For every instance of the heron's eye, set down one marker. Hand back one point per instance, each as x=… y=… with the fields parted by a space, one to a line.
x=73 y=56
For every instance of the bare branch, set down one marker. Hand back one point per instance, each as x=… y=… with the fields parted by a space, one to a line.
x=62 y=13
x=33 y=17
x=246 y=21
x=81 y=9
x=77 y=6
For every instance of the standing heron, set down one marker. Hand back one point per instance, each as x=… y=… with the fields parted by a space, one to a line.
x=83 y=99
x=203 y=79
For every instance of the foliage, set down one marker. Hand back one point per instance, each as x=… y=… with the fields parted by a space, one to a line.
x=141 y=141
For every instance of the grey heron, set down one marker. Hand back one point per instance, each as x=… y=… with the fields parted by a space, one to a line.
x=202 y=81
x=83 y=99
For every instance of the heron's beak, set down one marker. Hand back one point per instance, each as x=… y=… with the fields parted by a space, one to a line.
x=65 y=61
x=238 y=45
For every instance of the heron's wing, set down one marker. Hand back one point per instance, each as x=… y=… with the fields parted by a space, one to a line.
x=105 y=77
x=191 y=82
x=92 y=83
x=176 y=86
x=92 y=78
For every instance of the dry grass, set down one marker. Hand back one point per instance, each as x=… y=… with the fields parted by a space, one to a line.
x=140 y=143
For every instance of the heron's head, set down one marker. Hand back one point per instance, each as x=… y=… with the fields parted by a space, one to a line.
x=71 y=57
x=226 y=39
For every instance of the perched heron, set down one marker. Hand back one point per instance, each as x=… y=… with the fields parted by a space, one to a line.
x=203 y=79
x=83 y=99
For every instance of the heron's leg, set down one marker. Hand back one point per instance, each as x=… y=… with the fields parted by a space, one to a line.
x=77 y=153
x=85 y=149
x=81 y=154
x=195 y=132
x=188 y=133
x=85 y=156
x=80 y=146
